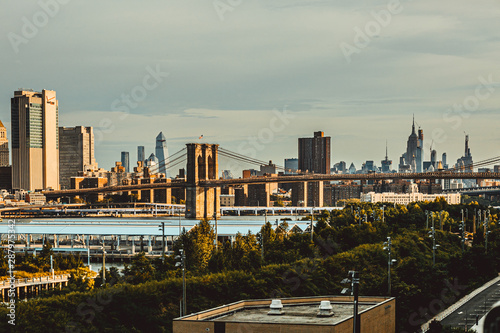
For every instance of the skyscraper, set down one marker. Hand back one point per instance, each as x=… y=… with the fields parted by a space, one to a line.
x=411 y=148
x=126 y=161
x=4 y=146
x=161 y=152
x=76 y=153
x=35 y=140
x=141 y=155
x=314 y=153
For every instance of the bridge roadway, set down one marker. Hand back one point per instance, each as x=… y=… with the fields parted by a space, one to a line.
x=279 y=179
x=477 y=307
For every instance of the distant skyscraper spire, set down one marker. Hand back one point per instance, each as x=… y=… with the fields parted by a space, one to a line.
x=413 y=125
x=386 y=155
x=161 y=152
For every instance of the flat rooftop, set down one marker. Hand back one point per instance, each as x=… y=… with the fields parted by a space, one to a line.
x=300 y=314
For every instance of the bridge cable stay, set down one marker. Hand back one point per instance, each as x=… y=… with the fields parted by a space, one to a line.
x=483 y=163
x=169 y=160
x=243 y=158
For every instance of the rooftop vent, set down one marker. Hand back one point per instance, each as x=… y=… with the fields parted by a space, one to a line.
x=325 y=309
x=276 y=308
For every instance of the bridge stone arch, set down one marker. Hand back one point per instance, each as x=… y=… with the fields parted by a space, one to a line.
x=202 y=164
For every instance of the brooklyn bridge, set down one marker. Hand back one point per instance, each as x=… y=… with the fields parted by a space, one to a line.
x=203 y=186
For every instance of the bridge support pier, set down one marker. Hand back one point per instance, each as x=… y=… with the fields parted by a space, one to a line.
x=202 y=164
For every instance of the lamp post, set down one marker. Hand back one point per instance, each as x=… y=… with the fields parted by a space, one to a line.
x=434 y=245
x=312 y=225
x=462 y=228
x=162 y=228
x=216 y=236
x=103 y=265
x=353 y=278
x=388 y=248
x=182 y=264
x=486 y=231
x=383 y=213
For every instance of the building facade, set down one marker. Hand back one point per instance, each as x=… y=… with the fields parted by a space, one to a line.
x=35 y=140
x=314 y=154
x=76 y=153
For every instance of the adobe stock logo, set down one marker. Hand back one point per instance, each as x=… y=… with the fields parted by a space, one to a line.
x=49 y=9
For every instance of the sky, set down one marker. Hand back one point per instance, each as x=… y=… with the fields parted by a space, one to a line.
x=253 y=76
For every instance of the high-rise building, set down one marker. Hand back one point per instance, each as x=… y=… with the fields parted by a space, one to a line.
x=420 y=150
x=161 y=152
x=291 y=166
x=314 y=153
x=4 y=146
x=76 y=153
x=125 y=161
x=35 y=140
x=141 y=155
x=444 y=160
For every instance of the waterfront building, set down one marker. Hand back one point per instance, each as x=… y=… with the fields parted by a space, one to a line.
x=35 y=140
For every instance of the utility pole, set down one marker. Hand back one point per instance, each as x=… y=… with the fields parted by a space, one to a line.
x=426 y=219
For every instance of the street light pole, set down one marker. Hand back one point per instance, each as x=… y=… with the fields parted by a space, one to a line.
x=383 y=213
x=388 y=246
x=462 y=226
x=355 y=290
x=312 y=226
x=182 y=263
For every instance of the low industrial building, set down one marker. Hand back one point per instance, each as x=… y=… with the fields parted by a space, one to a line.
x=318 y=314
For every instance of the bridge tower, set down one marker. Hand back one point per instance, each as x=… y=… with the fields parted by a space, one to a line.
x=202 y=164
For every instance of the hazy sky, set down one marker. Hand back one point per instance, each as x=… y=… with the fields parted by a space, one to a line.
x=356 y=70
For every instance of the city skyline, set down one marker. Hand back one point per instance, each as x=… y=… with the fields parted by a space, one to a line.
x=237 y=68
